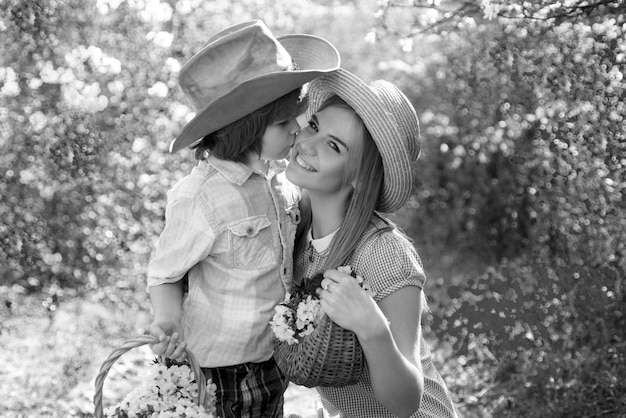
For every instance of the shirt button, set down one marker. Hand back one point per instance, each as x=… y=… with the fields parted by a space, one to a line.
x=249 y=231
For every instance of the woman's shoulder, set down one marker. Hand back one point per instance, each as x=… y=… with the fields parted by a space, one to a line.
x=390 y=246
x=384 y=235
x=388 y=259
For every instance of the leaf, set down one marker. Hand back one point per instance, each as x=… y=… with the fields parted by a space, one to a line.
x=308 y=287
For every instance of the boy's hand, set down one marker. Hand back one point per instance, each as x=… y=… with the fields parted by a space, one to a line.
x=171 y=344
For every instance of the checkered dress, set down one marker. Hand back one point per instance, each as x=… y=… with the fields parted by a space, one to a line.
x=387 y=259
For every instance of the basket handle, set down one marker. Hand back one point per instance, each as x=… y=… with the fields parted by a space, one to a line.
x=135 y=342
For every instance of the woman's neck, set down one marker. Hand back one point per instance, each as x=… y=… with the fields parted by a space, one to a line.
x=327 y=214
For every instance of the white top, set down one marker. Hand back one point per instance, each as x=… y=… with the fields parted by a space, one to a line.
x=321 y=244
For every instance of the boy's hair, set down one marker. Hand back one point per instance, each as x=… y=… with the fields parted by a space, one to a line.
x=235 y=141
x=365 y=172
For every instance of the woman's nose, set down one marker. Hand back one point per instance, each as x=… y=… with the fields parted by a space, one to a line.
x=303 y=138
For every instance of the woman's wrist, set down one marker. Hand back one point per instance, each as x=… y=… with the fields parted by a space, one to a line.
x=375 y=332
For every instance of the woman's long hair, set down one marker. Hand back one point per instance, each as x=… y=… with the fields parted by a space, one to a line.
x=365 y=173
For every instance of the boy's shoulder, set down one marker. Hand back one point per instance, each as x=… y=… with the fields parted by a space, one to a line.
x=195 y=181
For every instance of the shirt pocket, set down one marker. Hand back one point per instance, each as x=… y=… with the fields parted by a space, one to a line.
x=251 y=243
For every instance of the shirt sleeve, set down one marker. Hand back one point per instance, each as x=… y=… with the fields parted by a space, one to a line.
x=389 y=262
x=186 y=239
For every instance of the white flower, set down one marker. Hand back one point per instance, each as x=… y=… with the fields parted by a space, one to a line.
x=286 y=334
x=307 y=311
x=308 y=330
x=281 y=324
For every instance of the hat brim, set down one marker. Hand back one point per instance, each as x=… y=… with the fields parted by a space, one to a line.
x=398 y=178
x=314 y=56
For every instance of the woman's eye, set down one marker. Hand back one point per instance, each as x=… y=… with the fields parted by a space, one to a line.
x=334 y=146
x=313 y=125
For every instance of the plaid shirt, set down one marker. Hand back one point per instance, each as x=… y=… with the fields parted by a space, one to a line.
x=388 y=260
x=232 y=230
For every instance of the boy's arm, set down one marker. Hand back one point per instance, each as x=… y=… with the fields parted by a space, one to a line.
x=186 y=239
x=167 y=305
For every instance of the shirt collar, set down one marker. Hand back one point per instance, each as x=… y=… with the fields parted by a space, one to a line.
x=238 y=173
x=278 y=166
x=233 y=171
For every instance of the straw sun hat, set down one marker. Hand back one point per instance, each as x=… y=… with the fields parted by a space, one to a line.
x=390 y=118
x=243 y=68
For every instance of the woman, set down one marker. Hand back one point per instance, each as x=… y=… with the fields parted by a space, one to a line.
x=353 y=161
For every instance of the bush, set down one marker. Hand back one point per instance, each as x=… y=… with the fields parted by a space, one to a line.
x=520 y=200
x=523 y=171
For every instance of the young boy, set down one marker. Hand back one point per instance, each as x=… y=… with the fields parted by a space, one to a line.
x=230 y=224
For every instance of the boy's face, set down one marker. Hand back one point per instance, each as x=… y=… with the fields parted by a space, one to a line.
x=278 y=139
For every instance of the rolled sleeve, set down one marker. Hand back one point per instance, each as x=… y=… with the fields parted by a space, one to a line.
x=186 y=240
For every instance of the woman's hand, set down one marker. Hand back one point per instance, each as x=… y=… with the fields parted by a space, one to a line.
x=346 y=303
x=391 y=349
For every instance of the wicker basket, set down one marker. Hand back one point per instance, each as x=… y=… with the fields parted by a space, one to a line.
x=134 y=343
x=329 y=356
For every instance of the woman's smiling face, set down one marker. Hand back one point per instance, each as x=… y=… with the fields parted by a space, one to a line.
x=319 y=158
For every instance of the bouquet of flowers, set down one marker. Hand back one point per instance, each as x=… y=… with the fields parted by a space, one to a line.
x=168 y=391
x=296 y=317
x=300 y=312
x=309 y=347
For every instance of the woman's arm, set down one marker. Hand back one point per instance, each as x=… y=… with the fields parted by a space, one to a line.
x=393 y=354
x=389 y=333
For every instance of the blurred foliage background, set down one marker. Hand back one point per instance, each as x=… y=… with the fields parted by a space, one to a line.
x=519 y=213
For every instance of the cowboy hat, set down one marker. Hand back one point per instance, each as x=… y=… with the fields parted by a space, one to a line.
x=390 y=118
x=243 y=68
